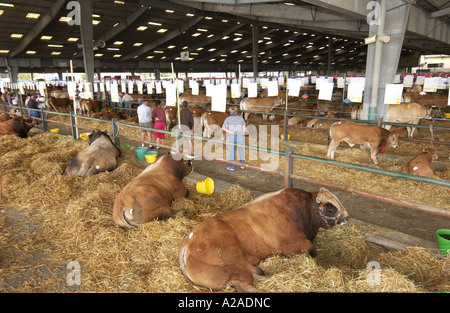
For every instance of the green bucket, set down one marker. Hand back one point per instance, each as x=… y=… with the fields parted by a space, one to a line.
x=443 y=239
x=140 y=153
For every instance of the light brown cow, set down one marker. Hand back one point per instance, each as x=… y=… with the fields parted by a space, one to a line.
x=199 y=101
x=18 y=125
x=427 y=99
x=408 y=113
x=212 y=122
x=421 y=164
x=150 y=195
x=300 y=121
x=356 y=112
x=226 y=249
x=265 y=104
x=319 y=123
x=372 y=137
x=88 y=107
x=171 y=116
x=100 y=156
x=59 y=94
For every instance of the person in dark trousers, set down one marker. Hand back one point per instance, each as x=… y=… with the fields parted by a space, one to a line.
x=235 y=126
x=159 y=118
x=187 y=119
x=32 y=104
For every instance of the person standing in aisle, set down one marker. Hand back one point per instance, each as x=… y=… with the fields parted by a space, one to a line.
x=145 y=120
x=159 y=119
x=234 y=125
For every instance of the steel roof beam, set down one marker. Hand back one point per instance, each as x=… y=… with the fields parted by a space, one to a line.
x=169 y=36
x=43 y=22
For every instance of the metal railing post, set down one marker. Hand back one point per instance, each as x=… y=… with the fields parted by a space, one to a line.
x=115 y=132
x=73 y=125
x=288 y=167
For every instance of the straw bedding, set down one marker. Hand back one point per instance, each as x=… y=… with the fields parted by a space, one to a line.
x=48 y=220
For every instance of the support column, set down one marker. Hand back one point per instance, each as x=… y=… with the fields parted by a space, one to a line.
x=13 y=74
x=87 y=38
x=383 y=58
x=255 y=38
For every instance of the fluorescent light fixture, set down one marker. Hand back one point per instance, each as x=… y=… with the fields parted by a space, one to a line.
x=1 y=12
x=225 y=37
x=190 y=14
x=171 y=47
x=119 y=2
x=16 y=35
x=96 y=15
x=33 y=15
x=138 y=44
x=118 y=43
x=31 y=52
x=150 y=57
x=113 y=49
x=55 y=46
x=162 y=30
x=237 y=39
x=212 y=60
x=46 y=37
x=208 y=18
x=56 y=53
x=154 y=23
x=6 y=5
x=169 y=11
x=4 y=51
x=141 y=28
x=224 y=21
x=72 y=39
x=98 y=55
x=196 y=34
x=95 y=22
x=210 y=35
x=117 y=55
x=212 y=49
x=202 y=29
x=233 y=51
x=158 y=51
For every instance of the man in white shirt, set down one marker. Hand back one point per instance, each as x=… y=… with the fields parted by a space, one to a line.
x=145 y=120
x=127 y=99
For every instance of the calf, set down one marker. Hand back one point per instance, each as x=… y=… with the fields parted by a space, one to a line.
x=100 y=156
x=372 y=137
x=409 y=113
x=149 y=196
x=18 y=125
x=226 y=249
x=421 y=164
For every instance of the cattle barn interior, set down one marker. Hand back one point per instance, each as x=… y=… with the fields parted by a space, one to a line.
x=57 y=232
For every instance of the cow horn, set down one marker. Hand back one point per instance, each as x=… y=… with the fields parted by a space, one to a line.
x=326 y=196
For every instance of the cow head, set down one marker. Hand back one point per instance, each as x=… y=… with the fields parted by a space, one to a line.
x=432 y=152
x=95 y=134
x=330 y=209
x=280 y=101
x=393 y=140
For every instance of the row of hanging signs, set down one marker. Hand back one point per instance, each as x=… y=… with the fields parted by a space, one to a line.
x=217 y=89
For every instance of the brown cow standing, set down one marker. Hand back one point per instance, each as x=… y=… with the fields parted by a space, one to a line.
x=55 y=103
x=149 y=196
x=421 y=164
x=212 y=121
x=88 y=107
x=225 y=249
x=265 y=104
x=372 y=137
x=100 y=156
x=18 y=125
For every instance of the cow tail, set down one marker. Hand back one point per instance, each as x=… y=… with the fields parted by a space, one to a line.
x=183 y=257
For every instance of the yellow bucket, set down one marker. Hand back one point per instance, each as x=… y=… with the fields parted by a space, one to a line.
x=288 y=138
x=151 y=156
x=85 y=136
x=205 y=186
x=447 y=115
x=54 y=130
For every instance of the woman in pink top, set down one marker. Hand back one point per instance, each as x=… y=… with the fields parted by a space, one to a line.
x=159 y=118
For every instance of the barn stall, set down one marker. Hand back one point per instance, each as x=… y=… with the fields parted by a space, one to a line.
x=41 y=210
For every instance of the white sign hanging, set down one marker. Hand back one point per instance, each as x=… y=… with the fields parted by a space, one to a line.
x=194 y=87
x=171 y=94
x=219 y=98
x=294 y=87
x=115 y=92
x=253 y=90
x=408 y=81
x=393 y=94
x=430 y=84
x=272 y=88
x=158 y=87
x=326 y=91
x=355 y=92
x=235 y=91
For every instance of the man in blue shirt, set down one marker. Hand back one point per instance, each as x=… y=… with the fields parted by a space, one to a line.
x=235 y=126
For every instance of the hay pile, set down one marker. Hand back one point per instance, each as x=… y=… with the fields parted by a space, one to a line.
x=48 y=220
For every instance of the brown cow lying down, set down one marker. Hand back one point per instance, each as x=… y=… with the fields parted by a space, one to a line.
x=372 y=137
x=421 y=164
x=100 y=156
x=226 y=249
x=4 y=117
x=18 y=125
x=150 y=195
